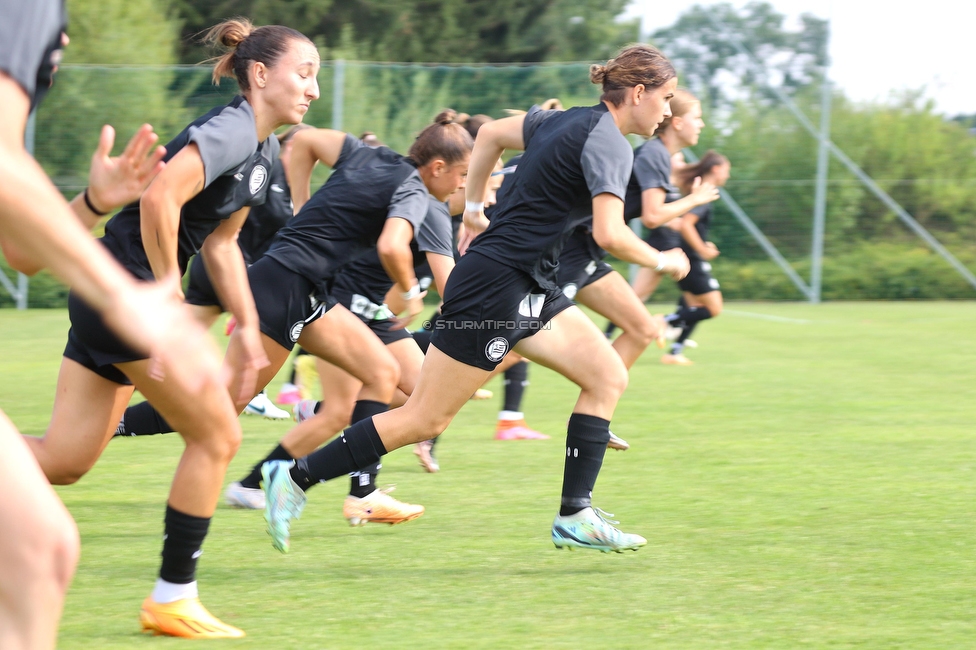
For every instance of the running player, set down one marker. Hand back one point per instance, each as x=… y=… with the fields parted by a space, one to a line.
x=701 y=298
x=216 y=168
x=502 y=295
x=653 y=197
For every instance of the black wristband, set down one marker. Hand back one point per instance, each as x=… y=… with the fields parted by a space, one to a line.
x=92 y=207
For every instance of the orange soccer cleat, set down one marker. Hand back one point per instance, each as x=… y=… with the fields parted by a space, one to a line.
x=186 y=618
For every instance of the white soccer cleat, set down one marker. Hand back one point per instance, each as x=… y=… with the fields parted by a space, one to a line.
x=618 y=443
x=238 y=496
x=263 y=406
x=593 y=528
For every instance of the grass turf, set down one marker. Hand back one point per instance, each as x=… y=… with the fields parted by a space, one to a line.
x=808 y=482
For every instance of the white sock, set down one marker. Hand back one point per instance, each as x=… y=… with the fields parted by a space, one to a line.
x=510 y=415
x=168 y=592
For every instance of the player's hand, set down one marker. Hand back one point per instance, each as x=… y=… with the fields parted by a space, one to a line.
x=412 y=309
x=152 y=318
x=676 y=264
x=115 y=182
x=253 y=359
x=703 y=192
x=711 y=251
x=474 y=223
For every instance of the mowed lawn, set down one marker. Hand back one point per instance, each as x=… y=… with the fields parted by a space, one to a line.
x=809 y=482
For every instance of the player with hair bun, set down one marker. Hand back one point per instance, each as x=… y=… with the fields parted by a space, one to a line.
x=215 y=169
x=502 y=294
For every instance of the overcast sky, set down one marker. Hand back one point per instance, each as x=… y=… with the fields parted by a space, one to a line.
x=877 y=46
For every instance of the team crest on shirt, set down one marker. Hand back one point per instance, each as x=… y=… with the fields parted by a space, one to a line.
x=296 y=330
x=258 y=175
x=496 y=349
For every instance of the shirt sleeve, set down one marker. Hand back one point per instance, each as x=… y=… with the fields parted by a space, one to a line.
x=30 y=43
x=225 y=141
x=533 y=119
x=410 y=201
x=607 y=159
x=350 y=144
x=436 y=234
x=652 y=167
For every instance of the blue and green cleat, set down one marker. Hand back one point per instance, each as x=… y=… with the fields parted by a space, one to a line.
x=591 y=528
x=284 y=501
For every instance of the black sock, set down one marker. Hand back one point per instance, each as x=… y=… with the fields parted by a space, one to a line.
x=687 y=315
x=253 y=480
x=611 y=328
x=182 y=540
x=516 y=379
x=586 y=444
x=686 y=331
x=363 y=482
x=357 y=447
x=142 y=420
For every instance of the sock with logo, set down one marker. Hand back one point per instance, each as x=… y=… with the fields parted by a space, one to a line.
x=142 y=420
x=363 y=482
x=586 y=444
x=253 y=480
x=516 y=380
x=357 y=447
x=182 y=538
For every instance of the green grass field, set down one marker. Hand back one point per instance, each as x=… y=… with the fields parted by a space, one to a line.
x=810 y=482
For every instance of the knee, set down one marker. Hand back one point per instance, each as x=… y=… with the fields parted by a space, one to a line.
x=223 y=442
x=385 y=376
x=643 y=330
x=612 y=380
x=49 y=552
x=715 y=310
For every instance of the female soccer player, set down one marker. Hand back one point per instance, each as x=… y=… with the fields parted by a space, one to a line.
x=502 y=294
x=700 y=291
x=216 y=168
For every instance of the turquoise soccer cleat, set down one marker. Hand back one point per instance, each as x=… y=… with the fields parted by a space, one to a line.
x=591 y=528
x=284 y=501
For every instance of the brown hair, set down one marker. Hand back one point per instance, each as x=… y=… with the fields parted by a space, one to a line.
x=247 y=43
x=681 y=103
x=687 y=174
x=473 y=123
x=636 y=64
x=444 y=139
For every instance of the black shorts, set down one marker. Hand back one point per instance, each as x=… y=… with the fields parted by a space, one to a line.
x=200 y=290
x=488 y=308
x=286 y=301
x=373 y=318
x=94 y=345
x=699 y=280
x=663 y=238
x=574 y=275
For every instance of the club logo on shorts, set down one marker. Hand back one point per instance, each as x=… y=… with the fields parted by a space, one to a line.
x=496 y=349
x=570 y=290
x=713 y=283
x=258 y=175
x=706 y=267
x=296 y=330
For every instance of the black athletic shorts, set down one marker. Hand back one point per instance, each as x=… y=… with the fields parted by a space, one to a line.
x=376 y=317
x=699 y=279
x=488 y=308
x=575 y=273
x=286 y=301
x=200 y=290
x=663 y=238
x=94 y=345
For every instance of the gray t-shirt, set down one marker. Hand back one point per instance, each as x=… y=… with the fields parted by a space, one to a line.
x=30 y=43
x=652 y=168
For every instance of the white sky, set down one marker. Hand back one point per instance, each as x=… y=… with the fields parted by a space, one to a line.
x=877 y=46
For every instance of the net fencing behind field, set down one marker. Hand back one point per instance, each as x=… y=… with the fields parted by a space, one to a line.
x=774 y=185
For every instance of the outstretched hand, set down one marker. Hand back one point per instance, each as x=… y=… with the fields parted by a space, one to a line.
x=115 y=182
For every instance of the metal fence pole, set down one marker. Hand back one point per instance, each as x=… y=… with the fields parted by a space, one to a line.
x=338 y=92
x=820 y=199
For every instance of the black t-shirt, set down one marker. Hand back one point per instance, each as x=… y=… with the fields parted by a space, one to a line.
x=236 y=169
x=344 y=218
x=264 y=221
x=30 y=43
x=704 y=222
x=570 y=157
x=367 y=277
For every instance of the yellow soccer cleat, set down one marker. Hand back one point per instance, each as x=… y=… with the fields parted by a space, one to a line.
x=186 y=618
x=380 y=508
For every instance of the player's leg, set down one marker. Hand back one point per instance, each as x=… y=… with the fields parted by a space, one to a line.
x=612 y=297
x=38 y=548
x=574 y=347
